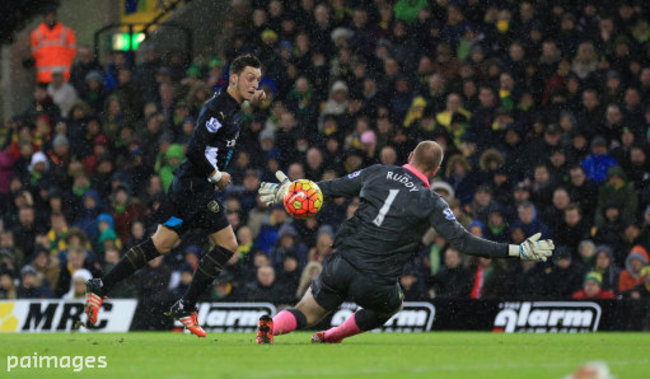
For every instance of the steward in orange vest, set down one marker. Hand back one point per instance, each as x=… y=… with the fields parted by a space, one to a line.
x=53 y=47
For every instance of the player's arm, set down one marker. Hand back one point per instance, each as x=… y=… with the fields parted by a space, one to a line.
x=347 y=186
x=443 y=220
x=206 y=126
x=272 y=193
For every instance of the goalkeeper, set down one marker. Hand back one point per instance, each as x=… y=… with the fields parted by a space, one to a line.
x=371 y=248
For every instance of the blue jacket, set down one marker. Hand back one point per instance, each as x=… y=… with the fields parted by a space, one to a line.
x=596 y=166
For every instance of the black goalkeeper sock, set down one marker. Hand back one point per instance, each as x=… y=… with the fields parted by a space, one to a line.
x=367 y=319
x=135 y=258
x=210 y=267
x=301 y=320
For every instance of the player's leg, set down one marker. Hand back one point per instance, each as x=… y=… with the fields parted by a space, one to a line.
x=361 y=321
x=210 y=266
x=305 y=314
x=379 y=301
x=327 y=292
x=135 y=258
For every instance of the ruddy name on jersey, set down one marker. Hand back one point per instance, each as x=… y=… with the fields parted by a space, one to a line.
x=403 y=180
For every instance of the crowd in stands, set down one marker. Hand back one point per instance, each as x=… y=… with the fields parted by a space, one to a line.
x=543 y=109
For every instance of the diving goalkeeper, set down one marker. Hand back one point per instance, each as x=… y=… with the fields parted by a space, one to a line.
x=371 y=248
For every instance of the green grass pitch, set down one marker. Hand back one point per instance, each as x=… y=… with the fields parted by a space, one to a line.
x=462 y=355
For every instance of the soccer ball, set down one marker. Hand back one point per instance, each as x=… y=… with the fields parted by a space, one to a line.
x=303 y=199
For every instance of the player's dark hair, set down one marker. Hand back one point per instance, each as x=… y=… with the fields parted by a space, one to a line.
x=241 y=62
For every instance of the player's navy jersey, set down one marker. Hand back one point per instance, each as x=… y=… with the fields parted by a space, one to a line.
x=214 y=137
x=397 y=207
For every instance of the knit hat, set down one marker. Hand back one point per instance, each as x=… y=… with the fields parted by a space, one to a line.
x=106 y=217
x=339 y=86
x=327 y=229
x=637 y=252
x=174 y=151
x=28 y=269
x=60 y=140
x=108 y=234
x=477 y=223
x=368 y=137
x=444 y=186
x=287 y=230
x=215 y=62
x=39 y=157
x=616 y=171
x=269 y=34
x=595 y=276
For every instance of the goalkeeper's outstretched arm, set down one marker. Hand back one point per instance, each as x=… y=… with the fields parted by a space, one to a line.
x=443 y=220
x=347 y=186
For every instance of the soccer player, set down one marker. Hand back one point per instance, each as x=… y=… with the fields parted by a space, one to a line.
x=191 y=201
x=397 y=207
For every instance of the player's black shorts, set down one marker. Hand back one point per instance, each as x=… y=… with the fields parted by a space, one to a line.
x=339 y=281
x=192 y=203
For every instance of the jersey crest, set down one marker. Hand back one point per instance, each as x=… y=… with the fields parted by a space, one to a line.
x=354 y=174
x=449 y=215
x=212 y=125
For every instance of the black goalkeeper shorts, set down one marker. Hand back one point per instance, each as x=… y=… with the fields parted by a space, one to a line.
x=191 y=203
x=339 y=281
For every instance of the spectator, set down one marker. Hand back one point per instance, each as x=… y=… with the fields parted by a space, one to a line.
x=529 y=222
x=223 y=289
x=289 y=277
x=617 y=189
x=8 y=289
x=288 y=243
x=31 y=285
x=76 y=258
x=586 y=254
x=78 y=285
x=572 y=229
x=565 y=276
x=47 y=267
x=631 y=276
x=453 y=279
x=604 y=264
x=323 y=247
x=265 y=287
x=86 y=63
x=591 y=288
x=489 y=279
x=25 y=232
x=412 y=284
x=63 y=94
x=642 y=290
x=597 y=164
x=54 y=46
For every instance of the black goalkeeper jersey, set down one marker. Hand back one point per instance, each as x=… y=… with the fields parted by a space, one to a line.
x=214 y=137
x=397 y=207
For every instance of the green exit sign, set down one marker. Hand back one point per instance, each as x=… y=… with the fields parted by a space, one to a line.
x=126 y=41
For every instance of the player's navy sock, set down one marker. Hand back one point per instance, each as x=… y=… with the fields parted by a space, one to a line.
x=209 y=268
x=135 y=258
x=288 y=320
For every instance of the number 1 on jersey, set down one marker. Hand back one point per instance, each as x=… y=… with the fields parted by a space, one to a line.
x=392 y=194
